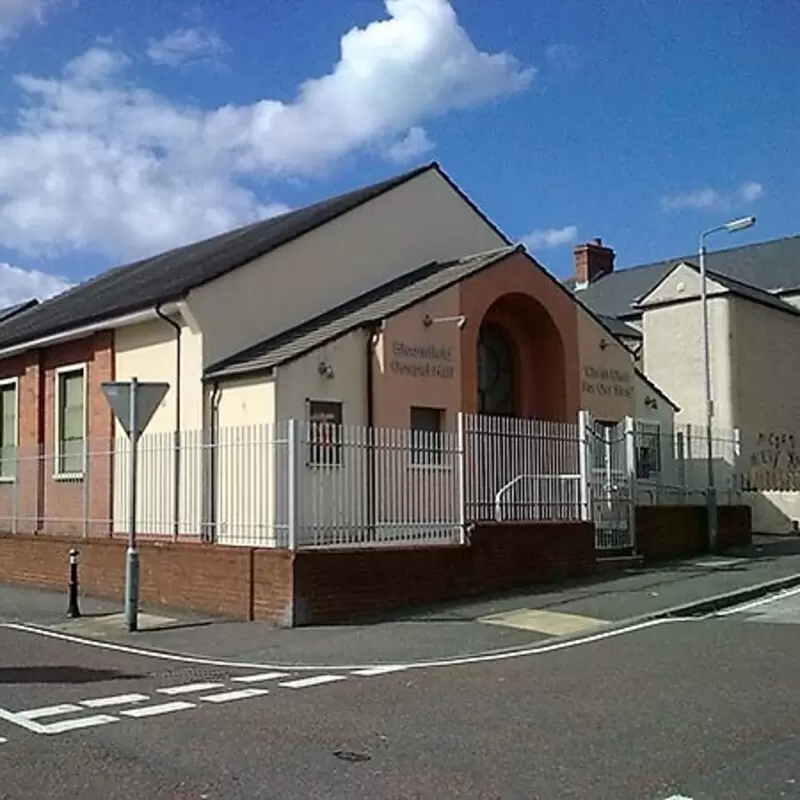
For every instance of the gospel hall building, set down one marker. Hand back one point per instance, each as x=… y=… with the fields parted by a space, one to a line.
x=393 y=307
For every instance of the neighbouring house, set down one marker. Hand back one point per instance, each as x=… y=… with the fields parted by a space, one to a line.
x=396 y=315
x=754 y=325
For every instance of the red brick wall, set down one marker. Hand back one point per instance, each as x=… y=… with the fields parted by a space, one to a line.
x=337 y=585
x=664 y=533
x=235 y=582
x=43 y=503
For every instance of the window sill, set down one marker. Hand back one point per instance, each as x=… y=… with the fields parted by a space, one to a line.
x=8 y=479
x=67 y=477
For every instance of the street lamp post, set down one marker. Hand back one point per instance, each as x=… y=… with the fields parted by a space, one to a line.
x=711 y=493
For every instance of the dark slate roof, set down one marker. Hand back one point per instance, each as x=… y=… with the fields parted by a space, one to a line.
x=373 y=306
x=771 y=266
x=747 y=291
x=12 y=311
x=620 y=328
x=169 y=276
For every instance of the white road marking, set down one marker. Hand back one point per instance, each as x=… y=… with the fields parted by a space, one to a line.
x=477 y=658
x=756 y=603
x=190 y=687
x=77 y=724
x=2 y=740
x=238 y=694
x=677 y=797
x=162 y=708
x=316 y=680
x=116 y=700
x=261 y=676
x=389 y=668
x=48 y=711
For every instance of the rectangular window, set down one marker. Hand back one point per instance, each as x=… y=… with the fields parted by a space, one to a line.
x=8 y=429
x=648 y=450
x=427 y=426
x=325 y=433
x=70 y=420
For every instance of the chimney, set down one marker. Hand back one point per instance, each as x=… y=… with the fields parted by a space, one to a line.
x=592 y=261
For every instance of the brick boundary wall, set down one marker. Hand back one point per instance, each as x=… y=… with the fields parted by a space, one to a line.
x=345 y=584
x=330 y=586
x=665 y=533
x=237 y=582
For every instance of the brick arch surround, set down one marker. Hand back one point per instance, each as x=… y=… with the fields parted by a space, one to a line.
x=537 y=355
x=542 y=321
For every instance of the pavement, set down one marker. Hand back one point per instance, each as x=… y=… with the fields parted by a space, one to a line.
x=698 y=708
x=446 y=632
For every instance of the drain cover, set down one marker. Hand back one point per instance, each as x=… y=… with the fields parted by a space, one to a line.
x=349 y=755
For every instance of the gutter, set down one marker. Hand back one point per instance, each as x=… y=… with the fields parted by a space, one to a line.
x=85 y=330
x=176 y=434
x=209 y=524
x=373 y=329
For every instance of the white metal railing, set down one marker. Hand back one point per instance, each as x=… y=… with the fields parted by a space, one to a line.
x=547 y=494
x=295 y=484
x=499 y=451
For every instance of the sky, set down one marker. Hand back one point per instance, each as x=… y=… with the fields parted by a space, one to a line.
x=128 y=128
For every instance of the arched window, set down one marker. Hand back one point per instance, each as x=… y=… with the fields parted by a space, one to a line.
x=495 y=372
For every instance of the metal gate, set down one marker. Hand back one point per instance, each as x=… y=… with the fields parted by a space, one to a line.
x=611 y=490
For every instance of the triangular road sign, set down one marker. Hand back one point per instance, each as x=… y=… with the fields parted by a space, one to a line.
x=148 y=399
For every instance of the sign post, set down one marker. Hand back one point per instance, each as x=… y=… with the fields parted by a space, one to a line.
x=133 y=405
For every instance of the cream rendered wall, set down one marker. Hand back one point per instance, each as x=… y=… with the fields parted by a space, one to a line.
x=608 y=389
x=766 y=398
x=331 y=498
x=422 y=220
x=673 y=357
x=250 y=462
x=148 y=352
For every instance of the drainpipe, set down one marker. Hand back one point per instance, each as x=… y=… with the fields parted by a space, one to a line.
x=176 y=434
x=210 y=522
x=373 y=329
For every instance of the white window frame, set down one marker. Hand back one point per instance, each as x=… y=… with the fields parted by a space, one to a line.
x=66 y=369
x=321 y=454
x=4 y=384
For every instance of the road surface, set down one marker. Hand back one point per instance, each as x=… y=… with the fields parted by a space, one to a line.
x=702 y=709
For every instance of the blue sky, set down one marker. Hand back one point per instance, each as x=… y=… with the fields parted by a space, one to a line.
x=128 y=128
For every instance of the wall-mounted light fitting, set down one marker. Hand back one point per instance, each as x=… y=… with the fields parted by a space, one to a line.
x=650 y=402
x=325 y=369
x=459 y=320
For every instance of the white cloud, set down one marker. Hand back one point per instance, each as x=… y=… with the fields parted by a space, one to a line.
x=712 y=199
x=544 y=239
x=16 y=14
x=186 y=44
x=413 y=145
x=565 y=57
x=97 y=164
x=751 y=191
x=18 y=285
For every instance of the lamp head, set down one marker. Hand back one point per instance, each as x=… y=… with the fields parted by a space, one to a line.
x=740 y=224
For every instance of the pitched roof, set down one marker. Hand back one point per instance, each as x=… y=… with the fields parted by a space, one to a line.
x=741 y=289
x=12 y=311
x=375 y=305
x=771 y=266
x=169 y=276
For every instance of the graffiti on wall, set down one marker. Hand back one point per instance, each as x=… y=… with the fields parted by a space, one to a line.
x=774 y=463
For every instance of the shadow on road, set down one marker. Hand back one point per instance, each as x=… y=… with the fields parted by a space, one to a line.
x=61 y=674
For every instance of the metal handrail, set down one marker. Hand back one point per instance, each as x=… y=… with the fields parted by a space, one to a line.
x=498 y=512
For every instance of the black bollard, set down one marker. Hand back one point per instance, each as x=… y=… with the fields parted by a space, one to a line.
x=73 y=611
